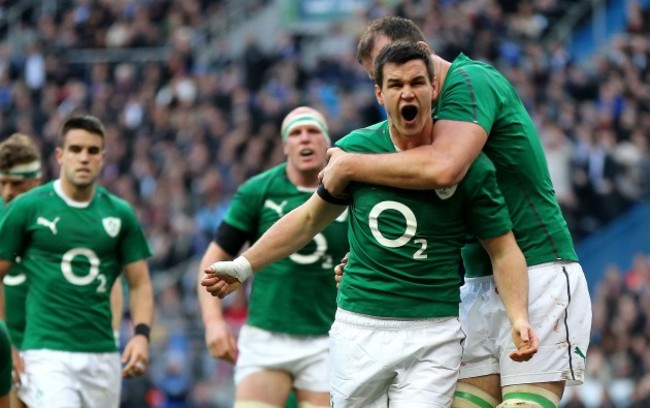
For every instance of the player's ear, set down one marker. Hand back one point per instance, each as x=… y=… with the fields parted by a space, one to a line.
x=378 y=95
x=425 y=47
x=59 y=154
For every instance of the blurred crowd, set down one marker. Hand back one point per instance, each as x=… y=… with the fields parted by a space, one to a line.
x=618 y=369
x=187 y=126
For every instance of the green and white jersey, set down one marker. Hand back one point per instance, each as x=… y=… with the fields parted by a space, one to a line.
x=405 y=245
x=476 y=92
x=15 y=283
x=296 y=295
x=72 y=253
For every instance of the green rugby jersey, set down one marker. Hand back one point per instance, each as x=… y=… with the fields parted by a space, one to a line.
x=296 y=295
x=5 y=361
x=72 y=253
x=476 y=92
x=405 y=245
x=15 y=283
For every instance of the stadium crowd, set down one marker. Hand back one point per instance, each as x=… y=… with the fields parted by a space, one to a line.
x=187 y=127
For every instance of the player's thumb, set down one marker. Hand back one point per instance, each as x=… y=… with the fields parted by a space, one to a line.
x=524 y=336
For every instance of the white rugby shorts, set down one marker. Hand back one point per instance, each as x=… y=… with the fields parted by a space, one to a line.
x=306 y=358
x=559 y=311
x=61 y=379
x=411 y=363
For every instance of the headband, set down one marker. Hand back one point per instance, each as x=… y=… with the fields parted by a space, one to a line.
x=305 y=119
x=23 y=171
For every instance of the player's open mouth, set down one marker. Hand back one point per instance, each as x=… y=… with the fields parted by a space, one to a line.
x=409 y=112
x=306 y=152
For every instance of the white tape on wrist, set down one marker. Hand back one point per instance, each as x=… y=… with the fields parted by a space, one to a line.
x=239 y=268
x=243 y=268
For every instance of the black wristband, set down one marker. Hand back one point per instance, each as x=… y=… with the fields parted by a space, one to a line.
x=327 y=196
x=142 y=329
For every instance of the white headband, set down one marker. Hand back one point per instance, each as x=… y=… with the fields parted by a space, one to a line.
x=305 y=119
x=23 y=171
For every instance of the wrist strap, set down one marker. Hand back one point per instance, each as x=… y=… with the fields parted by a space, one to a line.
x=142 y=329
x=239 y=268
x=243 y=268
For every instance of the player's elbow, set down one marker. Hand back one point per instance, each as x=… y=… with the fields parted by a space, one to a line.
x=447 y=172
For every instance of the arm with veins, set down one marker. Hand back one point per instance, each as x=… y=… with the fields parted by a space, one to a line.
x=442 y=164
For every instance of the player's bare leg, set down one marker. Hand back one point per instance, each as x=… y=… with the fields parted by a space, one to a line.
x=478 y=392
x=14 y=401
x=312 y=399
x=538 y=395
x=267 y=388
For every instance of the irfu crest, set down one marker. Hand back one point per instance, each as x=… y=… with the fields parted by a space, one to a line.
x=445 y=192
x=112 y=226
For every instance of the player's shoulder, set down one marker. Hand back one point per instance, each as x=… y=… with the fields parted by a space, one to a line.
x=363 y=139
x=258 y=181
x=259 y=186
x=106 y=198
x=464 y=63
x=481 y=166
x=465 y=70
x=35 y=196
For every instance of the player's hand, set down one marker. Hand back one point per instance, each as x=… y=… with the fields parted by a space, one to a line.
x=18 y=367
x=224 y=277
x=135 y=357
x=220 y=341
x=525 y=340
x=219 y=286
x=338 y=269
x=334 y=176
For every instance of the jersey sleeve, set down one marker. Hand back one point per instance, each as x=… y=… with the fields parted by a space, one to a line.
x=243 y=212
x=13 y=229
x=487 y=211
x=469 y=96
x=133 y=245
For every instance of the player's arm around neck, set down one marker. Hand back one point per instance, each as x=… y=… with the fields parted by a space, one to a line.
x=218 y=336
x=511 y=279
x=444 y=163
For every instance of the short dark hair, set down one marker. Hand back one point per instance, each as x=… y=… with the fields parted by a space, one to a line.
x=401 y=52
x=18 y=149
x=394 y=28
x=88 y=123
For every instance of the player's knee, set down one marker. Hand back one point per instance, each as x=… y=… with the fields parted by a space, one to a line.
x=253 y=404
x=528 y=396
x=471 y=396
x=519 y=403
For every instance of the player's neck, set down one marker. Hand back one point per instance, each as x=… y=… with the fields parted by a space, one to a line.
x=402 y=142
x=306 y=179
x=76 y=193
